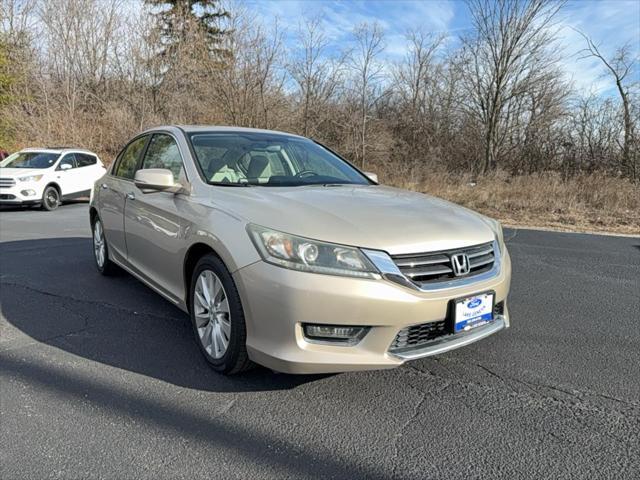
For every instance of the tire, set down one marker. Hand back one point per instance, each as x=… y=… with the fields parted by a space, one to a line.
x=50 y=198
x=217 y=317
x=101 y=250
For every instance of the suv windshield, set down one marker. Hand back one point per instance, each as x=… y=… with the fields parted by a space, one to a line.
x=30 y=160
x=269 y=160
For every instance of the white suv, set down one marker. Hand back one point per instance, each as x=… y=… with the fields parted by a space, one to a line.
x=46 y=177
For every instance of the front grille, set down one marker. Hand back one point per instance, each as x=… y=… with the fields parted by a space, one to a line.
x=416 y=335
x=6 y=196
x=7 y=182
x=434 y=267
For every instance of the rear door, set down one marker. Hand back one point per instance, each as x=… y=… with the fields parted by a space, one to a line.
x=153 y=225
x=114 y=189
x=89 y=170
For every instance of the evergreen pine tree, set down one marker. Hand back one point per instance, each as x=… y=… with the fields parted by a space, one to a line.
x=177 y=18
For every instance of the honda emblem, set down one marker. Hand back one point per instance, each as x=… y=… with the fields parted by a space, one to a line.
x=460 y=264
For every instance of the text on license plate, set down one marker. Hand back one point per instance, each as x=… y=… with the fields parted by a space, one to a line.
x=473 y=311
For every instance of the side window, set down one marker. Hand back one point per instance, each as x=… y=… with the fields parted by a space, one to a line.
x=68 y=159
x=163 y=153
x=126 y=167
x=85 y=160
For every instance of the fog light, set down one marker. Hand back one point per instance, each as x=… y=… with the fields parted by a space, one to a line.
x=334 y=334
x=28 y=193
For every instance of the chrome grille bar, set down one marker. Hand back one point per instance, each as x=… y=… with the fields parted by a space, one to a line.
x=417 y=261
x=7 y=182
x=435 y=267
x=473 y=254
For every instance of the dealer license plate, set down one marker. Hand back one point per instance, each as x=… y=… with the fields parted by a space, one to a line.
x=472 y=312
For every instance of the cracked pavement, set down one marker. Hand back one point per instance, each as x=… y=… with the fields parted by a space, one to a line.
x=100 y=378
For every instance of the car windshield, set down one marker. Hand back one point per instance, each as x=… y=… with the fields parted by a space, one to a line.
x=245 y=159
x=30 y=160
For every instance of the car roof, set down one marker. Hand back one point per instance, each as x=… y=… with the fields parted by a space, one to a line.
x=58 y=150
x=217 y=128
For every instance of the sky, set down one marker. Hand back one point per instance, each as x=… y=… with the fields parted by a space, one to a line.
x=610 y=23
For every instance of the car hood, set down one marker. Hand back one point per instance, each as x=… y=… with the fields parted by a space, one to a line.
x=20 y=172
x=375 y=217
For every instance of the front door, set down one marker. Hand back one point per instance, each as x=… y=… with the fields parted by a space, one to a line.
x=113 y=191
x=67 y=174
x=153 y=225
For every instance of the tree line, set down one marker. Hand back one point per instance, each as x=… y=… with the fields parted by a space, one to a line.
x=496 y=98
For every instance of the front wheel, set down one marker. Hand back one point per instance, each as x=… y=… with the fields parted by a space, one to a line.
x=50 y=198
x=217 y=317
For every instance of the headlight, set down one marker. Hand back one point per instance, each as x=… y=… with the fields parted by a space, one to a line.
x=298 y=253
x=30 y=178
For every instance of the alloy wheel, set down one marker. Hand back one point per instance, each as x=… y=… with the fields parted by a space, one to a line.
x=99 y=248
x=52 y=198
x=211 y=310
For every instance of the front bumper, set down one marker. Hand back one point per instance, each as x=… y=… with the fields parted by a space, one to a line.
x=277 y=301
x=15 y=195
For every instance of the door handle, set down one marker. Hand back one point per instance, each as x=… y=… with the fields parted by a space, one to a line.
x=131 y=196
x=104 y=186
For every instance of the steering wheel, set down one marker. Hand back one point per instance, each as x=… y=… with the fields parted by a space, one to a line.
x=305 y=173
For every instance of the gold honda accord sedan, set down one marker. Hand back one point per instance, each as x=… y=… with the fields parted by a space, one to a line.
x=286 y=255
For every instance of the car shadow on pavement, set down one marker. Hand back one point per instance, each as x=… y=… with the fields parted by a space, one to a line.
x=52 y=294
x=258 y=450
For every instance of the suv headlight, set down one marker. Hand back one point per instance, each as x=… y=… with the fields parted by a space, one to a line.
x=303 y=254
x=30 y=178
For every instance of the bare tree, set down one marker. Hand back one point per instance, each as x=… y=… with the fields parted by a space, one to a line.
x=619 y=66
x=16 y=16
x=250 y=86
x=416 y=76
x=512 y=43
x=80 y=38
x=367 y=82
x=317 y=76
x=417 y=85
x=592 y=131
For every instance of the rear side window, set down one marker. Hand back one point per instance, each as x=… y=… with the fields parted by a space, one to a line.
x=163 y=153
x=85 y=160
x=128 y=161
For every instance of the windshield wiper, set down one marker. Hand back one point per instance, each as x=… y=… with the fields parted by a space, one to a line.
x=229 y=184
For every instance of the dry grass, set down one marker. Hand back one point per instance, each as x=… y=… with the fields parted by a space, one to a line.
x=583 y=203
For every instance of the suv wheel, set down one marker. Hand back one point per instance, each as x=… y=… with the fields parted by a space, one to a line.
x=50 y=198
x=217 y=317
x=101 y=251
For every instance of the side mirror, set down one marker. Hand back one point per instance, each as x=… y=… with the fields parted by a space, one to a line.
x=372 y=176
x=65 y=166
x=156 y=180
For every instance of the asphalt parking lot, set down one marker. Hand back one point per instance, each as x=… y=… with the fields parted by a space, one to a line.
x=100 y=378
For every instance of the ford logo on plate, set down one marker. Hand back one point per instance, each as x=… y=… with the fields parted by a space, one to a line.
x=474 y=303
